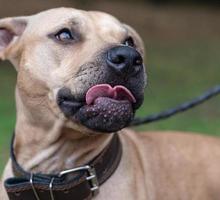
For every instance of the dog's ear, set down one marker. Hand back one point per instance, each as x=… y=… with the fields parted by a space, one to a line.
x=139 y=41
x=10 y=31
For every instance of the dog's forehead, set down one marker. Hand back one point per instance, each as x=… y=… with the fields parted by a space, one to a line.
x=104 y=22
x=55 y=18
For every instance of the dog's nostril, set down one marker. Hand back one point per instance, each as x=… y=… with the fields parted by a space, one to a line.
x=116 y=58
x=119 y=59
x=138 y=61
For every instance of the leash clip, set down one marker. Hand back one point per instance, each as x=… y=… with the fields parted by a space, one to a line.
x=91 y=178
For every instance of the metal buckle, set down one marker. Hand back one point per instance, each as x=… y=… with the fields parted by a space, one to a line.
x=92 y=178
x=51 y=189
x=33 y=188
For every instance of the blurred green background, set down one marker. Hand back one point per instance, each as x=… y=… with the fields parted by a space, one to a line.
x=182 y=59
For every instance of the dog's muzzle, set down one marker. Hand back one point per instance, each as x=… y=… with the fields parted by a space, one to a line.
x=110 y=105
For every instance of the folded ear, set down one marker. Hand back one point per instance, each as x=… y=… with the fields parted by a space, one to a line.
x=10 y=31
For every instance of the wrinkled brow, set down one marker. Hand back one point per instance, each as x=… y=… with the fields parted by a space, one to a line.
x=74 y=23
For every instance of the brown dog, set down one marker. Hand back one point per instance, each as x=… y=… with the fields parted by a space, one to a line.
x=80 y=75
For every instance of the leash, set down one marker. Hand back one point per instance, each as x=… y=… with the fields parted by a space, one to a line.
x=213 y=92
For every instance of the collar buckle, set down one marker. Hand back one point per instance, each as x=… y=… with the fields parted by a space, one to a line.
x=91 y=178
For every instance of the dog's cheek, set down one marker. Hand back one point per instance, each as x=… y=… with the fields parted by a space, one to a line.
x=33 y=94
x=30 y=85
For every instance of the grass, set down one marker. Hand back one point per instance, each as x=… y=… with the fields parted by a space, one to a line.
x=7 y=109
x=177 y=72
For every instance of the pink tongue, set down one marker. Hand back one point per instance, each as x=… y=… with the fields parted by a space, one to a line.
x=119 y=92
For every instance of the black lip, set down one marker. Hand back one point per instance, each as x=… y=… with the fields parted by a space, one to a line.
x=106 y=115
x=67 y=103
x=80 y=112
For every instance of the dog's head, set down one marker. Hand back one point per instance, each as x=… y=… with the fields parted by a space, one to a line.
x=86 y=67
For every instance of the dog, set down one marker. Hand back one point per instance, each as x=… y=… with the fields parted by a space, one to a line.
x=80 y=79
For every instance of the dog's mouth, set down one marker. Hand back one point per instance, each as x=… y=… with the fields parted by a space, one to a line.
x=118 y=93
x=105 y=108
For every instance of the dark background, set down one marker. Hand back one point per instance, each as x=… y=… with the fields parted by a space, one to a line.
x=182 y=40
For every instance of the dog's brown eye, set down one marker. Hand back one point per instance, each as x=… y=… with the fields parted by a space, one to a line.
x=129 y=42
x=64 y=35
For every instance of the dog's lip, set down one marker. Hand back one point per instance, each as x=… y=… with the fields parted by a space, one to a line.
x=117 y=92
x=70 y=105
x=65 y=98
x=105 y=113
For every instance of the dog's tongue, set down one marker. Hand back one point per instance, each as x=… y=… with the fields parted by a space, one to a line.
x=119 y=92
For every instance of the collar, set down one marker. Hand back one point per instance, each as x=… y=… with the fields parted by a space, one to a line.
x=80 y=183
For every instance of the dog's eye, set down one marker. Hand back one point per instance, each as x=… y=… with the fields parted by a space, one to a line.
x=129 y=42
x=64 y=35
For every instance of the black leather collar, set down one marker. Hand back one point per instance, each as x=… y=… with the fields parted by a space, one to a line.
x=78 y=183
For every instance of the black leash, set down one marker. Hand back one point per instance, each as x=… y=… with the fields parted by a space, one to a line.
x=178 y=109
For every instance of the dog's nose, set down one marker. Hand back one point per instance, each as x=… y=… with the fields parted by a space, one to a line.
x=124 y=60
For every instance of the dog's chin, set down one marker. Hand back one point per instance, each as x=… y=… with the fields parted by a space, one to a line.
x=105 y=115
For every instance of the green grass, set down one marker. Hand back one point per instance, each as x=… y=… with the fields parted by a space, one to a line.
x=177 y=72
x=7 y=109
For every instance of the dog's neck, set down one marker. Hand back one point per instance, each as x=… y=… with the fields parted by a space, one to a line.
x=52 y=150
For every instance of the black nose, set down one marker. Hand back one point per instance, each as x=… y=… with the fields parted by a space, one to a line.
x=124 y=60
